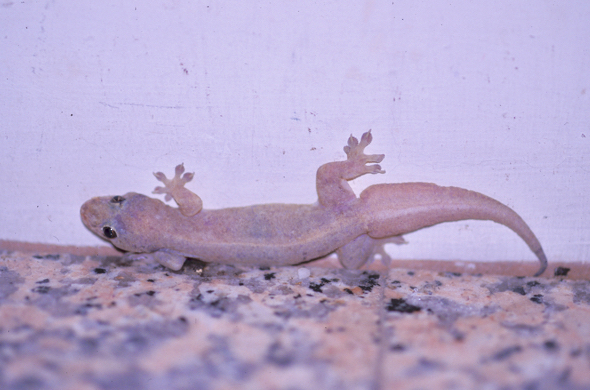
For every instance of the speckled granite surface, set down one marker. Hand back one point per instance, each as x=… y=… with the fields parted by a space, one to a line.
x=77 y=322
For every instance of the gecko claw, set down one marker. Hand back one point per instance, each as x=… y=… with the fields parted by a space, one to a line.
x=179 y=170
x=188 y=177
x=366 y=138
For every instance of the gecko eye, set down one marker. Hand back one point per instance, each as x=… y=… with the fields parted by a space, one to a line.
x=109 y=232
x=117 y=199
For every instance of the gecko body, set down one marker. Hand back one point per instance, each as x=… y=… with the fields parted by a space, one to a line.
x=356 y=228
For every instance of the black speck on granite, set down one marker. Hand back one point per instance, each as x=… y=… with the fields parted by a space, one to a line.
x=401 y=306
x=561 y=271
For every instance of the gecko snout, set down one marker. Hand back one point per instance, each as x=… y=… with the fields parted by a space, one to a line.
x=96 y=211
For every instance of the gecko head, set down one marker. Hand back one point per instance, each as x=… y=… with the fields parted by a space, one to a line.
x=121 y=220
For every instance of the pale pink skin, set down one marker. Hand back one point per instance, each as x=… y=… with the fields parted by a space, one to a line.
x=280 y=234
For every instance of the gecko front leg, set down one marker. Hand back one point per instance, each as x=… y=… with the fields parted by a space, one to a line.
x=188 y=202
x=332 y=178
x=166 y=257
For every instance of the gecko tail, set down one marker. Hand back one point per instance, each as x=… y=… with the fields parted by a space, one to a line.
x=543 y=260
x=395 y=209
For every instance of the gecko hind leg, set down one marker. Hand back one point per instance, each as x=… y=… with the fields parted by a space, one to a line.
x=332 y=178
x=364 y=249
x=188 y=202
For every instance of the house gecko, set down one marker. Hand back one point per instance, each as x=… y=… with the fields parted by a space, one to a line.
x=356 y=228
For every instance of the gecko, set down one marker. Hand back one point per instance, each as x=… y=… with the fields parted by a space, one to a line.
x=354 y=227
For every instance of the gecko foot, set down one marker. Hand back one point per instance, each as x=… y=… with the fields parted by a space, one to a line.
x=174 y=185
x=355 y=152
x=379 y=249
x=188 y=202
x=168 y=258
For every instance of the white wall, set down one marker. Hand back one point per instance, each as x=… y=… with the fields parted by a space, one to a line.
x=254 y=96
